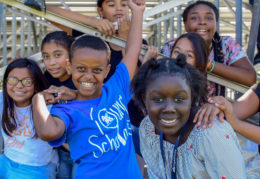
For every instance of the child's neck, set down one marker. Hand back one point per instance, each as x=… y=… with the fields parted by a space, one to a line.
x=173 y=138
x=64 y=78
x=115 y=47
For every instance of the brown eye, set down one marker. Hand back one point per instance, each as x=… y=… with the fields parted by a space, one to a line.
x=45 y=57
x=179 y=99
x=81 y=69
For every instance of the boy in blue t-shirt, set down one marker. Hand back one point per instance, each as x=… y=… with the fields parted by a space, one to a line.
x=96 y=124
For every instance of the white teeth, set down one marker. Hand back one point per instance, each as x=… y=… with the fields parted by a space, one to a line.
x=18 y=92
x=202 y=30
x=87 y=85
x=168 y=121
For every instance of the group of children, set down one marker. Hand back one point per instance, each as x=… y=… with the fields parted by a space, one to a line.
x=89 y=120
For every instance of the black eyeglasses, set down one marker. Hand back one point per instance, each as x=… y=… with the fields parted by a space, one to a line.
x=27 y=82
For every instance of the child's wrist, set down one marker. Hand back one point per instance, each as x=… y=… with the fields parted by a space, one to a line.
x=211 y=65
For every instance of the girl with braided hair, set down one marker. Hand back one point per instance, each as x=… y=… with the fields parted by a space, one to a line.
x=226 y=57
x=170 y=91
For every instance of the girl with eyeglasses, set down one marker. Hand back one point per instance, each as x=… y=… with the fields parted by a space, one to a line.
x=25 y=155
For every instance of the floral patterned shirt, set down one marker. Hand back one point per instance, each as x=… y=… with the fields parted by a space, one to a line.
x=232 y=52
x=207 y=153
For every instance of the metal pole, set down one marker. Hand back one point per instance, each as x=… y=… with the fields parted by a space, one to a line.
x=35 y=43
x=239 y=21
x=13 y=34
x=166 y=26
x=179 y=24
x=1 y=16
x=40 y=34
x=22 y=52
x=159 y=34
x=253 y=30
x=4 y=37
x=217 y=5
x=29 y=39
x=172 y=25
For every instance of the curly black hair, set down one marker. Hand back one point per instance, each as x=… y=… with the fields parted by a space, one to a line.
x=174 y=67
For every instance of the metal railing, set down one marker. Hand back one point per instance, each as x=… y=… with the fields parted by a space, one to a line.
x=168 y=14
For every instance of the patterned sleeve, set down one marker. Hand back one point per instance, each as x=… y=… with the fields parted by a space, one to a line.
x=232 y=51
x=219 y=149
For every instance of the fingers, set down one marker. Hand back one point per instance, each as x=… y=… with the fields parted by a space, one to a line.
x=199 y=116
x=211 y=116
x=152 y=52
x=221 y=117
x=123 y=27
x=105 y=27
x=206 y=115
x=48 y=97
x=136 y=4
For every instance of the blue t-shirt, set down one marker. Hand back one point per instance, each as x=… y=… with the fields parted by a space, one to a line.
x=99 y=133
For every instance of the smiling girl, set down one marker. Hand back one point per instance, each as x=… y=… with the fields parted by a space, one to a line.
x=170 y=90
x=25 y=155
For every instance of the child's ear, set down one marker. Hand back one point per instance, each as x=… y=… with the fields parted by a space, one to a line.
x=68 y=66
x=107 y=69
x=143 y=99
x=100 y=12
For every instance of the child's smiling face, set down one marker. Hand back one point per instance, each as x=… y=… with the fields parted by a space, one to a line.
x=89 y=68
x=54 y=58
x=114 y=9
x=202 y=20
x=185 y=46
x=168 y=102
x=20 y=93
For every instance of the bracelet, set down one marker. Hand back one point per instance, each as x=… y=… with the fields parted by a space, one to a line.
x=212 y=67
x=209 y=65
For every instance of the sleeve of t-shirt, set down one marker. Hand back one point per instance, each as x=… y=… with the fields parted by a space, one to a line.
x=121 y=79
x=232 y=51
x=220 y=152
x=256 y=89
x=60 y=112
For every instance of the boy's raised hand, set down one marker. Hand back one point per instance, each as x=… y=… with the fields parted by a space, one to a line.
x=136 y=5
x=123 y=27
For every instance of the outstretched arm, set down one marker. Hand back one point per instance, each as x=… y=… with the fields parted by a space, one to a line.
x=247 y=105
x=47 y=127
x=134 y=40
x=240 y=71
x=104 y=26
